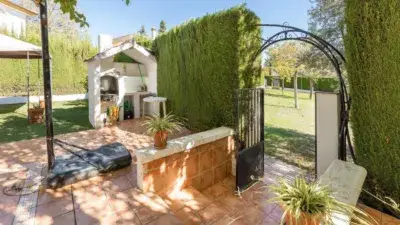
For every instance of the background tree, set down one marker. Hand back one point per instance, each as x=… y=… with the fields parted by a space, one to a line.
x=326 y=19
x=314 y=67
x=163 y=27
x=69 y=7
x=284 y=59
x=142 y=31
x=58 y=21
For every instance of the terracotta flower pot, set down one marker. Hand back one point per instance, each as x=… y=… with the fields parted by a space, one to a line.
x=35 y=115
x=41 y=104
x=305 y=219
x=160 y=139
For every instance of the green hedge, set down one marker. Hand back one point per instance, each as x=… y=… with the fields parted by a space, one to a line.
x=68 y=68
x=372 y=46
x=202 y=62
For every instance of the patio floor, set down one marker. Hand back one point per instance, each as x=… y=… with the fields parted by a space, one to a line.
x=114 y=198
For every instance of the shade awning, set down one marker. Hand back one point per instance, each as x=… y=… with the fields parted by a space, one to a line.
x=11 y=48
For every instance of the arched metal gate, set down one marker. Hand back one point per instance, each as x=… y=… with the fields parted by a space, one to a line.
x=250 y=109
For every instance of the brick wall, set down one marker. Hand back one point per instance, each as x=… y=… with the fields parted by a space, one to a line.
x=200 y=167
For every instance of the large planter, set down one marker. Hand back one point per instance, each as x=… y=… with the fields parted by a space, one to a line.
x=41 y=104
x=304 y=219
x=128 y=114
x=35 y=115
x=160 y=139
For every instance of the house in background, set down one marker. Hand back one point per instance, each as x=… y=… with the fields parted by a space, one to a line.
x=112 y=83
x=13 y=17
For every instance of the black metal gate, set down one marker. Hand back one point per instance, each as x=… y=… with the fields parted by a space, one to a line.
x=249 y=137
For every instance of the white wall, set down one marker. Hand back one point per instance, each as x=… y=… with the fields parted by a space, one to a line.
x=327 y=109
x=131 y=69
x=12 y=20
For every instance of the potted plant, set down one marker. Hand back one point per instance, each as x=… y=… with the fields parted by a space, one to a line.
x=311 y=204
x=160 y=127
x=35 y=114
x=113 y=114
x=41 y=103
x=128 y=110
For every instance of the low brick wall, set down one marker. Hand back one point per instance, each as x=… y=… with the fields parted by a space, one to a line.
x=201 y=162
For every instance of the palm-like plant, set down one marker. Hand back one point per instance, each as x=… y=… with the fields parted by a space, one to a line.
x=160 y=127
x=311 y=203
x=168 y=123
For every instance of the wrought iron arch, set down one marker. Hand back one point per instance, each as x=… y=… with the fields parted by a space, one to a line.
x=335 y=57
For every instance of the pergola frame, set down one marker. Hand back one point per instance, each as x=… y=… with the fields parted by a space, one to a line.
x=290 y=33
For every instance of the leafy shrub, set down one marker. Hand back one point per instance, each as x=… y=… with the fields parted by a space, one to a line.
x=372 y=48
x=202 y=62
x=68 y=67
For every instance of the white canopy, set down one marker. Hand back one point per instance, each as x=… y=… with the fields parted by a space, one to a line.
x=12 y=48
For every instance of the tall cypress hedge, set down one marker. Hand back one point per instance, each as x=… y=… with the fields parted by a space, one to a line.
x=202 y=62
x=372 y=46
x=68 y=67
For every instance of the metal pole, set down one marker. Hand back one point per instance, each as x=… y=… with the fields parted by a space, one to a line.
x=27 y=82
x=47 y=83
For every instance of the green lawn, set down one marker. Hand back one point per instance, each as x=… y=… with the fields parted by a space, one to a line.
x=67 y=117
x=289 y=132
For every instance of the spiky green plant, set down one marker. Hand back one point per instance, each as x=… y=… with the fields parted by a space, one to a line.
x=312 y=200
x=169 y=123
x=394 y=206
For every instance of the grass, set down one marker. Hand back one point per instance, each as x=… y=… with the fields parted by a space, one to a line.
x=67 y=117
x=290 y=132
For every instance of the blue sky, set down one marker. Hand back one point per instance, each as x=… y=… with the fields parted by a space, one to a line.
x=115 y=18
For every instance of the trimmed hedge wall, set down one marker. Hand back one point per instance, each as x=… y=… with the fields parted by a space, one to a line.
x=202 y=62
x=68 y=68
x=372 y=46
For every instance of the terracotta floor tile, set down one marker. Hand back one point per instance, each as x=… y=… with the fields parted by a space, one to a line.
x=127 y=217
x=253 y=216
x=6 y=218
x=8 y=204
x=198 y=202
x=269 y=221
x=64 y=219
x=185 y=194
x=389 y=220
x=254 y=197
x=226 y=220
x=166 y=219
x=48 y=195
x=213 y=213
x=276 y=213
x=230 y=183
x=122 y=201
x=173 y=205
x=92 y=196
x=267 y=207
x=147 y=214
x=93 y=216
x=236 y=204
x=56 y=207
x=217 y=191
x=117 y=184
x=188 y=216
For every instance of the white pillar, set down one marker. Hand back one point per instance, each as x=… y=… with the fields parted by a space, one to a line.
x=94 y=70
x=327 y=121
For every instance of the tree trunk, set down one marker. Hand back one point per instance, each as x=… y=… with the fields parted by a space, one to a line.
x=296 y=104
x=311 y=88
x=283 y=84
